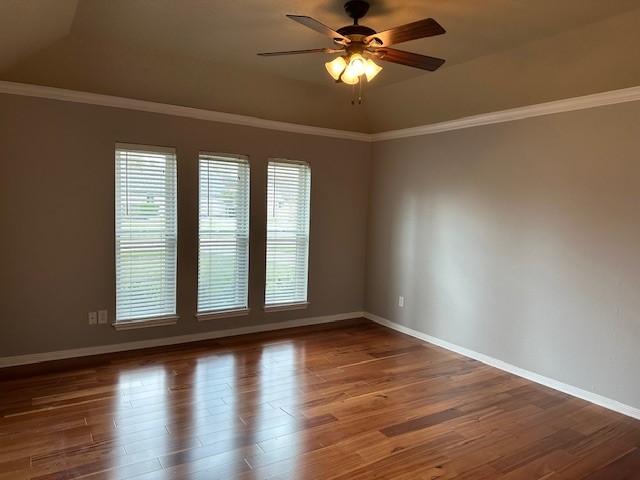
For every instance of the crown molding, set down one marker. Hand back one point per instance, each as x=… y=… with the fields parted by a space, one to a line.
x=612 y=97
x=53 y=93
x=557 y=106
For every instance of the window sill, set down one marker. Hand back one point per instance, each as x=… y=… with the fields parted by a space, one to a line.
x=146 y=323
x=204 y=316
x=281 y=307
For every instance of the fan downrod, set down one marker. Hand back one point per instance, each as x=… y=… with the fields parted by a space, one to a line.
x=356 y=9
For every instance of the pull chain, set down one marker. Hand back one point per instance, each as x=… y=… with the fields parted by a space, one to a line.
x=357 y=96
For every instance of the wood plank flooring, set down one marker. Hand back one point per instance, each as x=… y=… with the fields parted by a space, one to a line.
x=349 y=403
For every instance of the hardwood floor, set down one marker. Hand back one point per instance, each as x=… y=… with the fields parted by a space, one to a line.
x=355 y=402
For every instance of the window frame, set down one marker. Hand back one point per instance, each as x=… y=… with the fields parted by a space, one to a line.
x=169 y=318
x=290 y=305
x=226 y=312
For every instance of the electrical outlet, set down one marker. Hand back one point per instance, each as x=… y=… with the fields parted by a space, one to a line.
x=103 y=317
x=401 y=301
x=93 y=318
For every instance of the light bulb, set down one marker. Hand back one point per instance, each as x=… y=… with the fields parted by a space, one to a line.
x=371 y=69
x=357 y=64
x=336 y=67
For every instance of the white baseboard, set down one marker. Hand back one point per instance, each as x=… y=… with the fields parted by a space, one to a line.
x=507 y=367
x=160 y=342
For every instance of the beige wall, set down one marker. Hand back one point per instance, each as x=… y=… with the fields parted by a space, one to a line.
x=516 y=240
x=519 y=241
x=57 y=219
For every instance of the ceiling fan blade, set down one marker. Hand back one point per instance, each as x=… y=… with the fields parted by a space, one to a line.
x=411 y=31
x=314 y=24
x=410 y=59
x=297 y=52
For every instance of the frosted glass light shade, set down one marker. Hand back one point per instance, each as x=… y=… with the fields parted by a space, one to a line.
x=371 y=69
x=335 y=67
x=349 y=77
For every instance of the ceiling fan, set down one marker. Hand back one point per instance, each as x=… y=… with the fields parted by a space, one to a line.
x=358 y=46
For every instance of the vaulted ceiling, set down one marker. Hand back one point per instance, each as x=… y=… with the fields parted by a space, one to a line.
x=500 y=54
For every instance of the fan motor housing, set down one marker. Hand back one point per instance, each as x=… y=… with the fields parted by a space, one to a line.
x=356 y=30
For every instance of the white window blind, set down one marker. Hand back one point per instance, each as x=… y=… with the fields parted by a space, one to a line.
x=223 y=257
x=288 y=198
x=146 y=232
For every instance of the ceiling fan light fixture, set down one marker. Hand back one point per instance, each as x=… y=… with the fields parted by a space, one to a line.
x=335 y=67
x=351 y=69
x=358 y=44
x=371 y=69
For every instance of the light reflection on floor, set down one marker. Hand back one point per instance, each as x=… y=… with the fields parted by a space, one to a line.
x=141 y=401
x=278 y=385
x=217 y=416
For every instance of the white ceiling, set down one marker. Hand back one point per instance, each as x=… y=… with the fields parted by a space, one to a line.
x=172 y=49
x=27 y=26
x=232 y=32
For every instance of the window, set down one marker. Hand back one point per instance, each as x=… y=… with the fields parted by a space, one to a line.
x=223 y=250
x=146 y=233
x=288 y=198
